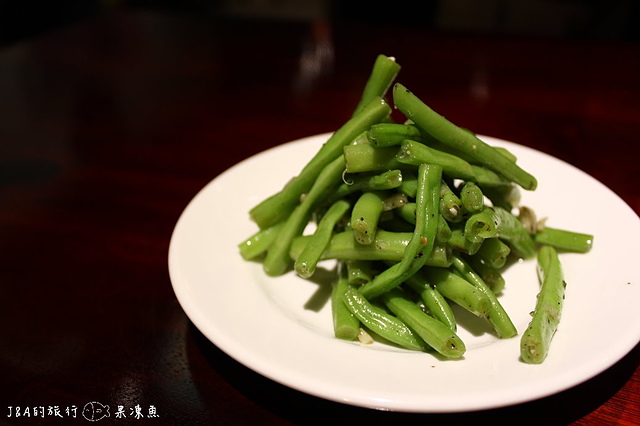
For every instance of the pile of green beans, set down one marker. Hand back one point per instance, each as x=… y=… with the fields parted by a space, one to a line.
x=420 y=215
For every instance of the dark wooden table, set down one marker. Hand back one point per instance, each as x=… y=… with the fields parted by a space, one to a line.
x=109 y=127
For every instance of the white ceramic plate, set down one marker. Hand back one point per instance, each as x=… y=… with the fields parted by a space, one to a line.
x=281 y=328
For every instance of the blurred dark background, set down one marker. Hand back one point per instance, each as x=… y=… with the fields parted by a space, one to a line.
x=588 y=19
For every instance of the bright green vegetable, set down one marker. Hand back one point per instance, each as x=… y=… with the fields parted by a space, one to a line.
x=277 y=259
x=423 y=238
x=497 y=316
x=433 y=332
x=403 y=209
x=364 y=157
x=259 y=243
x=493 y=252
x=482 y=225
x=565 y=240
x=462 y=140
x=381 y=323
x=416 y=153
x=471 y=197
x=346 y=325
x=536 y=340
x=433 y=300
x=385 y=69
x=278 y=206
x=391 y=134
x=305 y=264
x=365 y=216
x=513 y=232
x=458 y=290
x=386 y=246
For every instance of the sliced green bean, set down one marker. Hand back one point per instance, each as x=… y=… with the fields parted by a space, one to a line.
x=409 y=185
x=536 y=340
x=490 y=275
x=505 y=196
x=458 y=290
x=450 y=204
x=493 y=252
x=458 y=240
x=305 y=265
x=392 y=134
x=366 y=182
x=462 y=140
x=384 y=71
x=433 y=300
x=258 y=243
x=386 y=246
x=359 y=271
x=488 y=178
x=497 y=315
x=408 y=213
x=277 y=259
x=471 y=197
x=278 y=206
x=423 y=239
x=415 y=153
x=436 y=334
x=346 y=325
x=381 y=323
x=482 y=225
x=515 y=234
x=565 y=240
x=365 y=216
x=367 y=158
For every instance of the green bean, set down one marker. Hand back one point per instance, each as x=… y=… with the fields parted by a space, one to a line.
x=391 y=134
x=367 y=158
x=278 y=206
x=365 y=182
x=536 y=340
x=493 y=252
x=458 y=241
x=464 y=141
x=345 y=324
x=385 y=69
x=386 y=246
x=258 y=243
x=394 y=201
x=380 y=322
x=415 y=153
x=408 y=213
x=482 y=225
x=365 y=217
x=436 y=334
x=489 y=274
x=359 y=271
x=505 y=196
x=562 y=239
x=471 y=197
x=497 y=316
x=488 y=178
x=458 y=290
x=423 y=238
x=277 y=259
x=434 y=301
x=409 y=185
x=305 y=264
x=515 y=234
x=450 y=204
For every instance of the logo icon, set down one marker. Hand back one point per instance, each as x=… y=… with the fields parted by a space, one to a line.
x=95 y=411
